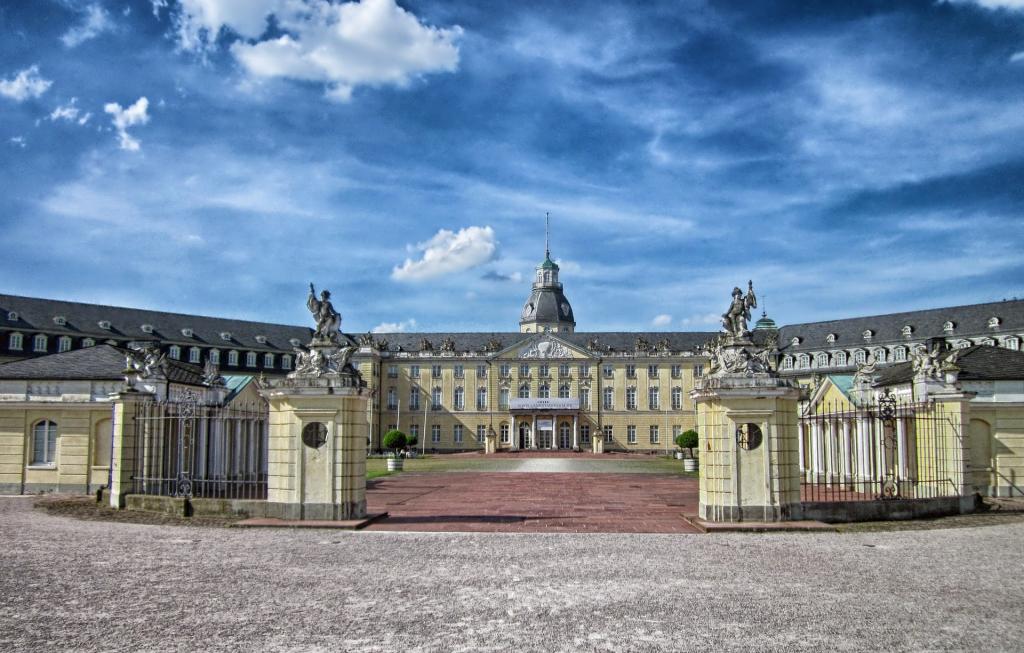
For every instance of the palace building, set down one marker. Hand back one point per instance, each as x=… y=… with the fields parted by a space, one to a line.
x=545 y=385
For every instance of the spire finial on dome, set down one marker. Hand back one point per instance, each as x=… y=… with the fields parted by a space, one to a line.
x=547 y=235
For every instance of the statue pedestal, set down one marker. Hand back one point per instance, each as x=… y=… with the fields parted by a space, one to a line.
x=749 y=449
x=317 y=447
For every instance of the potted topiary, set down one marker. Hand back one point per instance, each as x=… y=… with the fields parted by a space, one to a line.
x=394 y=440
x=688 y=440
x=411 y=441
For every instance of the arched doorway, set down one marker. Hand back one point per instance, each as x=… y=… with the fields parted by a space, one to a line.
x=981 y=455
x=524 y=435
x=564 y=435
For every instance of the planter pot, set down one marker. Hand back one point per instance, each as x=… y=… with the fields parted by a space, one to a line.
x=689 y=464
x=679 y=455
x=395 y=464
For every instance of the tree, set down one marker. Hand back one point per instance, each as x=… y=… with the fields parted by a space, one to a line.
x=394 y=440
x=412 y=440
x=688 y=440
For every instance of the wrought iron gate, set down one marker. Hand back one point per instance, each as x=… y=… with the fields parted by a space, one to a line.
x=891 y=449
x=186 y=449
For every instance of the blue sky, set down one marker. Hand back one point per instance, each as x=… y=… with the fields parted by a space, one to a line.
x=215 y=156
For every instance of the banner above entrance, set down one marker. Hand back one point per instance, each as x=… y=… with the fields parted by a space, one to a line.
x=544 y=404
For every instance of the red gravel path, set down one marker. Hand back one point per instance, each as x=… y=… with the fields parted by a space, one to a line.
x=533 y=502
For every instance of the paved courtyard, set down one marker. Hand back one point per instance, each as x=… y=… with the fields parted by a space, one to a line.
x=69 y=585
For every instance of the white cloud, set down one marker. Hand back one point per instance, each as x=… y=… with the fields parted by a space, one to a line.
x=702 y=320
x=395 y=327
x=449 y=252
x=26 y=84
x=94 y=22
x=123 y=118
x=344 y=45
x=18 y=141
x=992 y=4
x=1017 y=57
x=70 y=113
x=662 y=320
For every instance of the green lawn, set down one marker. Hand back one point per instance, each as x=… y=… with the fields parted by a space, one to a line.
x=376 y=467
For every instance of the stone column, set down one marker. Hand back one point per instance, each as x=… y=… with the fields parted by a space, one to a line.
x=801 y=434
x=847 y=451
x=533 y=432
x=952 y=433
x=127 y=442
x=901 y=448
x=817 y=455
x=759 y=481
x=575 y=432
x=317 y=448
x=863 y=449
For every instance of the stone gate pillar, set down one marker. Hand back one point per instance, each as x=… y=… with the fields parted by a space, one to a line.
x=126 y=438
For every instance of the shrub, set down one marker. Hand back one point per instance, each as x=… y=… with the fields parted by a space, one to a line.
x=394 y=440
x=411 y=441
x=688 y=440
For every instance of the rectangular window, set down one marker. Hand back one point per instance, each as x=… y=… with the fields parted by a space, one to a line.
x=631 y=371
x=435 y=399
x=609 y=371
x=524 y=370
x=545 y=370
x=677 y=398
x=653 y=398
x=460 y=371
x=608 y=434
x=505 y=439
x=676 y=430
x=481 y=398
x=584 y=370
x=414 y=371
x=39 y=343
x=481 y=433
x=64 y=344
x=503 y=399
x=631 y=434
x=194 y=355
x=585 y=398
x=435 y=371
x=44 y=443
x=233 y=358
x=585 y=434
x=14 y=343
x=414 y=431
x=563 y=369
x=392 y=371
x=457 y=433
x=175 y=352
x=654 y=434
x=268 y=360
x=609 y=399
x=414 y=399
x=435 y=433
x=481 y=371
x=250 y=359
x=215 y=357
x=652 y=370
x=504 y=370
x=630 y=398
x=677 y=371
x=392 y=399
x=459 y=398
x=698 y=371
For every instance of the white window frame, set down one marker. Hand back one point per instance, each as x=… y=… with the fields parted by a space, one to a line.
x=457 y=434
x=654 y=434
x=524 y=391
x=631 y=434
x=46 y=454
x=250 y=359
x=268 y=360
x=677 y=398
x=506 y=434
x=503 y=396
x=631 y=398
x=435 y=398
x=63 y=344
x=481 y=433
x=653 y=398
x=459 y=398
x=15 y=341
x=414 y=398
x=233 y=358
x=608 y=399
x=481 y=398
x=435 y=433
x=195 y=355
x=214 y=356
x=39 y=342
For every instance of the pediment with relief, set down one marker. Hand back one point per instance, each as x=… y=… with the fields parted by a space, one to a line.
x=546 y=349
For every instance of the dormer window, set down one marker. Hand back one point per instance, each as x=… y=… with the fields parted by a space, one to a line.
x=225 y=335
x=12 y=316
x=261 y=339
x=147 y=328
x=830 y=338
x=59 y=320
x=907 y=331
x=868 y=335
x=295 y=342
x=104 y=324
x=948 y=327
x=186 y=332
x=795 y=341
x=994 y=322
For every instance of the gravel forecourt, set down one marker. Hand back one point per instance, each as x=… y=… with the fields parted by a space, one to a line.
x=69 y=584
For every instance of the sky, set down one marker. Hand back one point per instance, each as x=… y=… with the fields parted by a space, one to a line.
x=216 y=156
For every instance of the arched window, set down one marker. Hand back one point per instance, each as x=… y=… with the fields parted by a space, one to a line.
x=233 y=358
x=459 y=398
x=899 y=354
x=195 y=355
x=250 y=359
x=879 y=355
x=268 y=360
x=821 y=359
x=563 y=391
x=1012 y=343
x=88 y=342
x=609 y=398
x=524 y=391
x=544 y=391
x=174 y=351
x=804 y=361
x=64 y=344
x=286 y=362
x=15 y=342
x=653 y=398
x=215 y=356
x=44 y=443
x=840 y=358
x=481 y=398
x=39 y=342
x=860 y=357
x=787 y=363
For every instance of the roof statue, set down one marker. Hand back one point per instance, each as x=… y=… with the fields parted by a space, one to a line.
x=328 y=320
x=734 y=320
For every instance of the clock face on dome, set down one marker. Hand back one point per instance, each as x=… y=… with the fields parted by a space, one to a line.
x=565 y=308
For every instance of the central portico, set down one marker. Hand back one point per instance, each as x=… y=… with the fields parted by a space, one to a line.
x=545 y=423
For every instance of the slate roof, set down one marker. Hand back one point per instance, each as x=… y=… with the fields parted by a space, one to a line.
x=971 y=319
x=976 y=363
x=99 y=363
x=619 y=341
x=36 y=315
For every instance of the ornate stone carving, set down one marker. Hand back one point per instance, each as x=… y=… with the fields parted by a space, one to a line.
x=593 y=344
x=734 y=320
x=642 y=345
x=211 y=375
x=492 y=345
x=426 y=345
x=546 y=349
x=141 y=362
x=366 y=340
x=448 y=345
x=865 y=374
x=382 y=344
x=328 y=320
x=319 y=361
x=728 y=358
x=663 y=346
